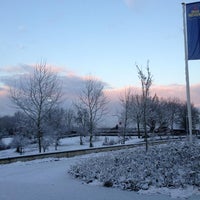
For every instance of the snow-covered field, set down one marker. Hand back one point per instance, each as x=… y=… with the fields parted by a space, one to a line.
x=48 y=179
x=66 y=144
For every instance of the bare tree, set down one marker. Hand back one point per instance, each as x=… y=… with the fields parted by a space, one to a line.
x=69 y=118
x=125 y=112
x=82 y=121
x=146 y=82
x=93 y=100
x=36 y=95
x=136 y=111
x=182 y=119
x=173 y=105
x=152 y=112
x=55 y=126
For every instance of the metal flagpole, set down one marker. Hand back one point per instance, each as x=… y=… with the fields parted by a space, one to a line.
x=187 y=75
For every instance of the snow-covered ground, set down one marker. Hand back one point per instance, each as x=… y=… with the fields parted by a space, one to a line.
x=66 y=144
x=172 y=168
x=48 y=179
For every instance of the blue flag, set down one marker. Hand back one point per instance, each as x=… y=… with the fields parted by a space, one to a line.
x=193 y=30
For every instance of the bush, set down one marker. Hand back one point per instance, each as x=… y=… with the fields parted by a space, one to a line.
x=19 y=142
x=108 y=184
x=108 y=141
x=2 y=146
x=46 y=142
x=175 y=165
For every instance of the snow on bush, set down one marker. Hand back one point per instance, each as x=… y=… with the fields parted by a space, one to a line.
x=2 y=145
x=175 y=165
x=108 y=141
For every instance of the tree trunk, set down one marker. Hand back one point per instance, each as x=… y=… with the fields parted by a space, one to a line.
x=138 y=129
x=39 y=141
x=124 y=135
x=56 y=144
x=81 y=140
x=145 y=128
x=91 y=144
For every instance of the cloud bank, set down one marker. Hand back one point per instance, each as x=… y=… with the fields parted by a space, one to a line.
x=73 y=83
x=162 y=91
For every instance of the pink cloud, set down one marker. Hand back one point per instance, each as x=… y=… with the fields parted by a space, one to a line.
x=162 y=91
x=167 y=91
x=72 y=84
x=179 y=91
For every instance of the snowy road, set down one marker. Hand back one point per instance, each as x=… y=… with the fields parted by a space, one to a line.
x=48 y=180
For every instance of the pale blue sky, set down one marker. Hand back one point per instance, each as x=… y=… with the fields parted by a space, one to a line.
x=104 y=38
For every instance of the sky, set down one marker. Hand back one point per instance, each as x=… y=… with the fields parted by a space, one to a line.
x=103 y=38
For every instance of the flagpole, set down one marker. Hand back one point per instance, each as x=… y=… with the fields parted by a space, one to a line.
x=187 y=75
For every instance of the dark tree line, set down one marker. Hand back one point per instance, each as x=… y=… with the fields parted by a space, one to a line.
x=161 y=114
